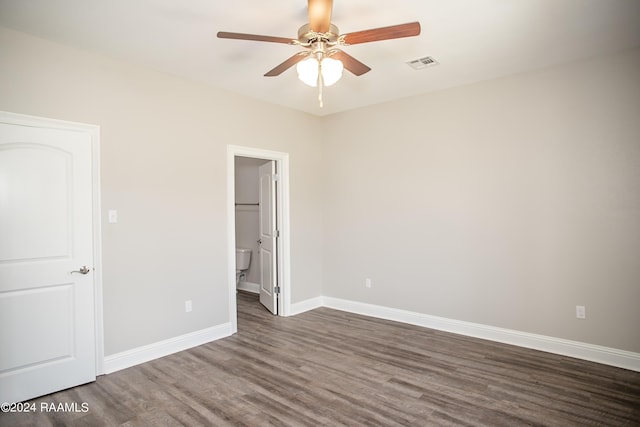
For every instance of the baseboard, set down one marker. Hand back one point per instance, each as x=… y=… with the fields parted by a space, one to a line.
x=595 y=353
x=306 y=305
x=249 y=287
x=135 y=356
x=579 y=350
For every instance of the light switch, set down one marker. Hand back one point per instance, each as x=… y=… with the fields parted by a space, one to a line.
x=113 y=216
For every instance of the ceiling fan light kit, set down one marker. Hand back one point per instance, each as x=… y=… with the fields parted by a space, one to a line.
x=312 y=69
x=323 y=64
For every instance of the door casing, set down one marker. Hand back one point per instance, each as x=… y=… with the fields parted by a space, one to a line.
x=94 y=131
x=282 y=161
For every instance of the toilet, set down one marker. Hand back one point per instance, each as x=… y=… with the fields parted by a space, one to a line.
x=243 y=259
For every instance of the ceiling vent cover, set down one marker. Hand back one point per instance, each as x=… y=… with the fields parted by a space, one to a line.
x=420 y=63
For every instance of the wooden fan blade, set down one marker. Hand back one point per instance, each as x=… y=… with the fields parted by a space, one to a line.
x=350 y=63
x=384 y=33
x=254 y=37
x=287 y=64
x=320 y=15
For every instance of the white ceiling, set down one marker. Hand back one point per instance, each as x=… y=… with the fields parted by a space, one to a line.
x=473 y=40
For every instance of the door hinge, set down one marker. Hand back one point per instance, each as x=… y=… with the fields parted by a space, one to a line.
x=276 y=289
x=275 y=177
x=276 y=233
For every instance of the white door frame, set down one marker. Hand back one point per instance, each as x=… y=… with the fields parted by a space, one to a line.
x=94 y=132
x=282 y=169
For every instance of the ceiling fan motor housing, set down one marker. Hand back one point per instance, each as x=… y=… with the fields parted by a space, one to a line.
x=306 y=36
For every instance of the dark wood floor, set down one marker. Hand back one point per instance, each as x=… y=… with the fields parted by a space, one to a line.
x=326 y=367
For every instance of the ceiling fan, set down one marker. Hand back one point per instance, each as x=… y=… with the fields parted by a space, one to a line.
x=321 y=64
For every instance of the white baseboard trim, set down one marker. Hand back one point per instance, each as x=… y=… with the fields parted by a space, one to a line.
x=579 y=350
x=595 y=353
x=249 y=287
x=306 y=305
x=135 y=356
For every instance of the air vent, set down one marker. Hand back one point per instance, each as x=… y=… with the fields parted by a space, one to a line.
x=420 y=63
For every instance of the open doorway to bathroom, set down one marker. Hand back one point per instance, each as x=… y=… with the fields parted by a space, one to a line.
x=247 y=211
x=258 y=234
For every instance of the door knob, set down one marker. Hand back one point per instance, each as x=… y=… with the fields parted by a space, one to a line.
x=83 y=270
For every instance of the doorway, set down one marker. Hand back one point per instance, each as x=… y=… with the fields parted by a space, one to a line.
x=256 y=217
x=271 y=246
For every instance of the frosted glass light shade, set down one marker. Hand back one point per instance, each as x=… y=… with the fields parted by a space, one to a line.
x=308 y=71
x=331 y=70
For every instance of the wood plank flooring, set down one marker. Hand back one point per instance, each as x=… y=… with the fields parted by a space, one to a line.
x=330 y=368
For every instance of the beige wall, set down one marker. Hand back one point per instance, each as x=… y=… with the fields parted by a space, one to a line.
x=163 y=159
x=505 y=203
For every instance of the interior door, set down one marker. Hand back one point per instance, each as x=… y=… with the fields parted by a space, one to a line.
x=268 y=237
x=47 y=332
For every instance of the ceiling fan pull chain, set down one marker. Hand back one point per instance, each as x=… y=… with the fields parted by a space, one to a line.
x=320 y=83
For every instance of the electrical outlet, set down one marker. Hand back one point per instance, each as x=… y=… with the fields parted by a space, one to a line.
x=188 y=306
x=581 y=312
x=367 y=283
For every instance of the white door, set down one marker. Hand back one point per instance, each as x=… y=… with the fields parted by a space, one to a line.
x=47 y=333
x=268 y=237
